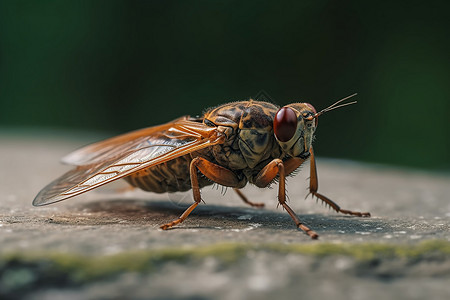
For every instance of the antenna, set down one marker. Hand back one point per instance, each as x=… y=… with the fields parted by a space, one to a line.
x=335 y=105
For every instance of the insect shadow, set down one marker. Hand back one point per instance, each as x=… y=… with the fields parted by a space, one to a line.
x=212 y=217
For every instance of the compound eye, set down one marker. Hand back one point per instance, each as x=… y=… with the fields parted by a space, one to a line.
x=285 y=124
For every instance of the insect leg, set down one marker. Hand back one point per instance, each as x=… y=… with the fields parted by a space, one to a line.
x=245 y=199
x=290 y=166
x=268 y=173
x=314 y=186
x=214 y=172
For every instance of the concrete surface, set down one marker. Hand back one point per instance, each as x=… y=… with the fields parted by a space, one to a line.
x=106 y=244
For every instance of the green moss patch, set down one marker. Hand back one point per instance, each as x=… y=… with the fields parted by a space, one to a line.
x=25 y=270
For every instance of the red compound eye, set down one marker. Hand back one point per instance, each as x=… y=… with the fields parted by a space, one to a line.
x=285 y=124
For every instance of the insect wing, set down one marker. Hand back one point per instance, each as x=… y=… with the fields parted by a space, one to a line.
x=106 y=161
x=108 y=149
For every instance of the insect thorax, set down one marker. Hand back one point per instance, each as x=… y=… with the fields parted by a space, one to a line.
x=248 y=127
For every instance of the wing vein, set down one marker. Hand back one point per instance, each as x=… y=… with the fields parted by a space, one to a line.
x=106 y=161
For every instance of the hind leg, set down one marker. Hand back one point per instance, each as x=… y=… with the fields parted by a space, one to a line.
x=214 y=172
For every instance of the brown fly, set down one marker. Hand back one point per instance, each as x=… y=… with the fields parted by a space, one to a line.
x=231 y=145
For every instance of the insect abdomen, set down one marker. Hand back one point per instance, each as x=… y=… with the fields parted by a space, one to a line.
x=171 y=176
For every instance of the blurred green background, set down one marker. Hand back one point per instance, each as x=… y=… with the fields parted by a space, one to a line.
x=121 y=65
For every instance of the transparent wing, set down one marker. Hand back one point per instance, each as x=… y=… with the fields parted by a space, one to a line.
x=114 y=158
x=116 y=146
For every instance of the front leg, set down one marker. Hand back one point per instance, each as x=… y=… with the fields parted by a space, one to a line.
x=314 y=186
x=280 y=168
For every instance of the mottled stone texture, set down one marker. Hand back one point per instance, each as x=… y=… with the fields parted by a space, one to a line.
x=408 y=208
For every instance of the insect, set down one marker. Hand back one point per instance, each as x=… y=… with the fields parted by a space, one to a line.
x=231 y=145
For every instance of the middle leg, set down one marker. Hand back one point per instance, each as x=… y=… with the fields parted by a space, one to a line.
x=245 y=199
x=269 y=173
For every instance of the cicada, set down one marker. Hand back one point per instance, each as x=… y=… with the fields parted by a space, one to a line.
x=232 y=144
